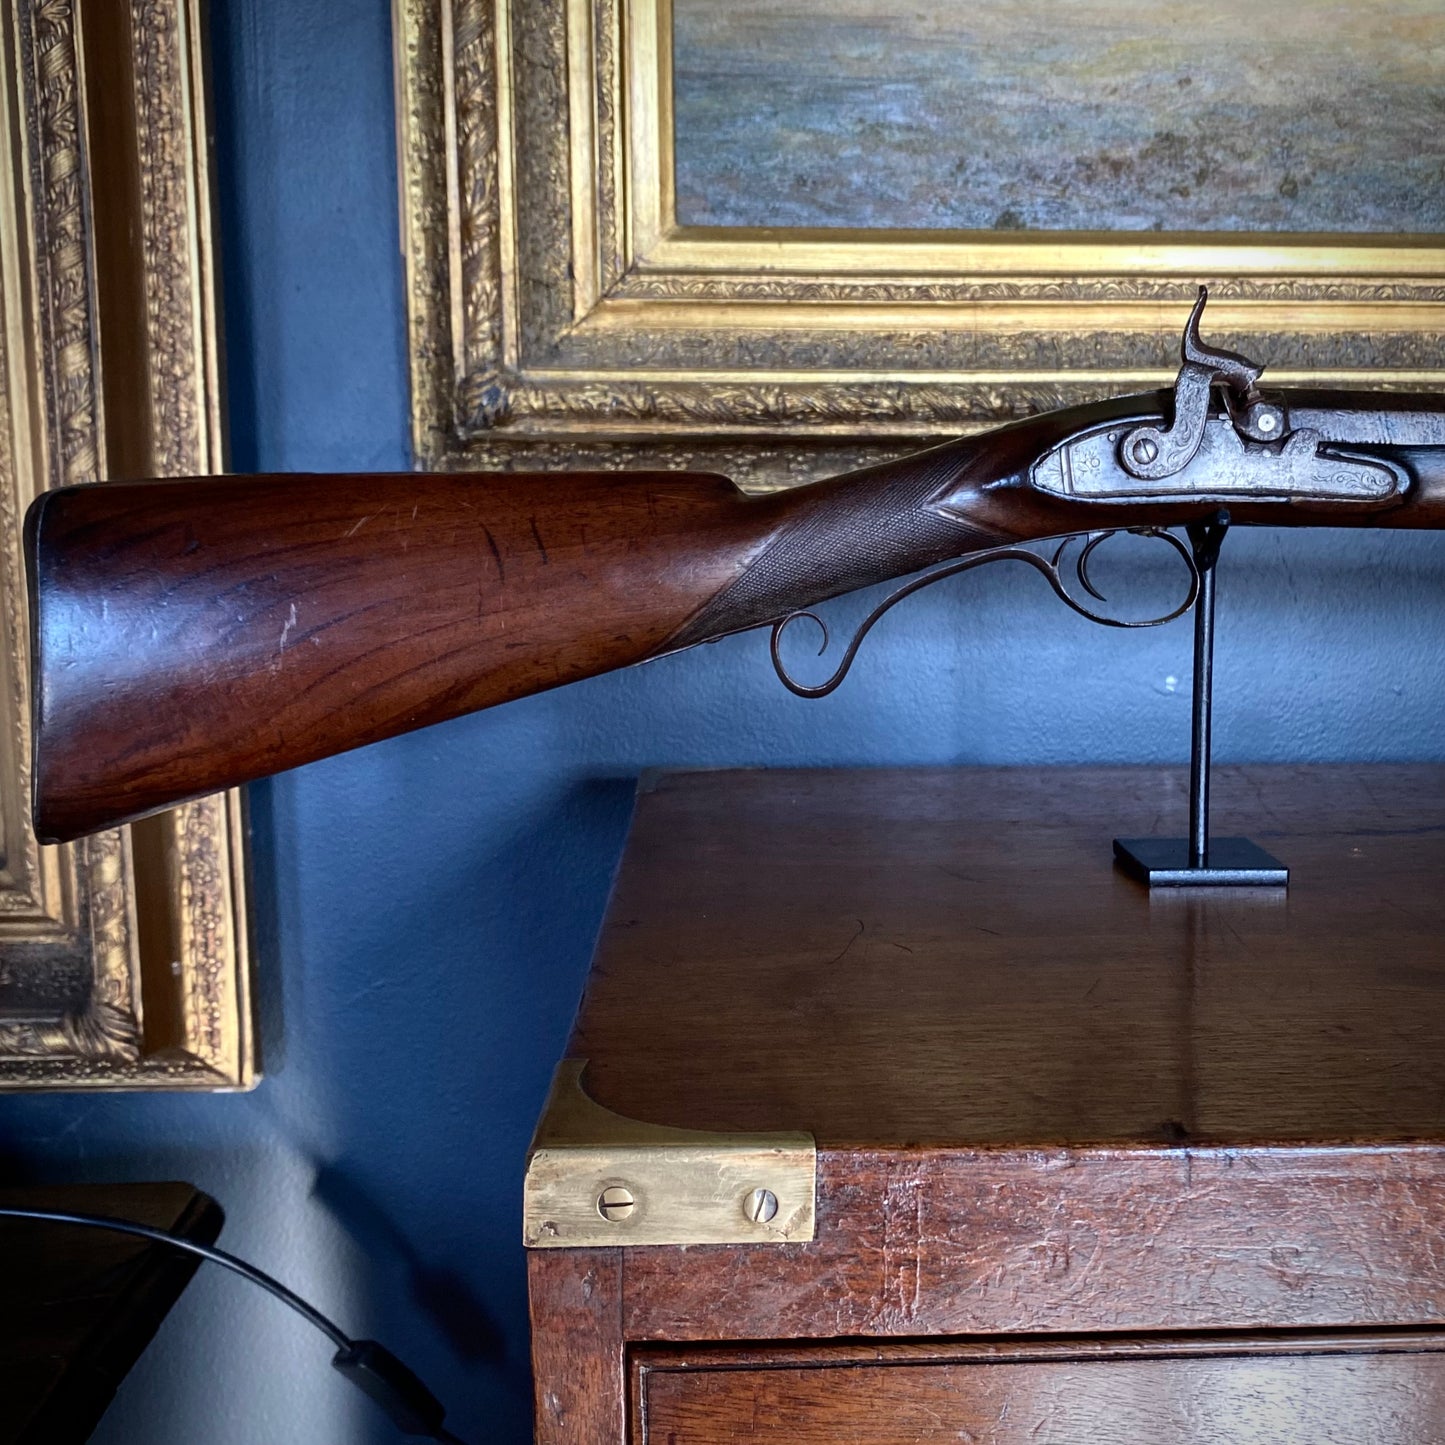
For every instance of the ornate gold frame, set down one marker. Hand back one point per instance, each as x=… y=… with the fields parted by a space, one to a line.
x=123 y=958
x=560 y=315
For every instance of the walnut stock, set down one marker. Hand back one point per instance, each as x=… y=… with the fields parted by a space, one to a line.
x=191 y=635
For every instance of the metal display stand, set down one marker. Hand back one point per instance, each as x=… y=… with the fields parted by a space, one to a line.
x=1200 y=860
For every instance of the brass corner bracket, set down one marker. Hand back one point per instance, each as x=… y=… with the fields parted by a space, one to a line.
x=597 y=1178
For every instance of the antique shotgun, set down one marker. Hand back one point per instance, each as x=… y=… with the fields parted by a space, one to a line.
x=191 y=635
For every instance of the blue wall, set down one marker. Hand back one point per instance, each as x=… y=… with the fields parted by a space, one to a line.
x=426 y=908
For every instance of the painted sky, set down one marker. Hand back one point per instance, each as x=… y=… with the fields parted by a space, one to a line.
x=1128 y=115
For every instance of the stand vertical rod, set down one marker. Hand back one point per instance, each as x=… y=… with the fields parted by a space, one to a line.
x=1176 y=862
x=1206 y=538
x=1203 y=709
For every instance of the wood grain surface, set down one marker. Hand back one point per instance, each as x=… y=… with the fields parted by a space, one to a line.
x=953 y=1242
x=1047 y=1104
x=196 y=634
x=1338 y=1391
x=577 y=1344
x=950 y=957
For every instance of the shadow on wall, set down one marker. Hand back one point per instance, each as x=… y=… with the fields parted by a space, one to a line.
x=438 y=1290
x=436 y=935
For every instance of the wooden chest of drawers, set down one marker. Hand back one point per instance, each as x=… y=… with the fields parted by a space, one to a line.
x=1090 y=1164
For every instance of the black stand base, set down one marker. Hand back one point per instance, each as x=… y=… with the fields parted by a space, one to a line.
x=1230 y=862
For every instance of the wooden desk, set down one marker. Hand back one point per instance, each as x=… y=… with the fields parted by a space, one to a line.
x=1092 y=1164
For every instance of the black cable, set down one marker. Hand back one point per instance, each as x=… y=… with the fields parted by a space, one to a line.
x=369 y=1366
x=333 y=1331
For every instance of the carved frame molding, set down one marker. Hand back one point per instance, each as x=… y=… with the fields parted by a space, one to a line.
x=560 y=316
x=124 y=957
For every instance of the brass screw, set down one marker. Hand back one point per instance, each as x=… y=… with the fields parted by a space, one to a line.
x=615 y=1203
x=761 y=1205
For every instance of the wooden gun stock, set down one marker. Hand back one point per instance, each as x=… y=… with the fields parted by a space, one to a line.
x=194 y=634
x=191 y=635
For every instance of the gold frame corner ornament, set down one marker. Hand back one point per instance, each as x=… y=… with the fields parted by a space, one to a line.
x=560 y=316
x=124 y=958
x=595 y=1178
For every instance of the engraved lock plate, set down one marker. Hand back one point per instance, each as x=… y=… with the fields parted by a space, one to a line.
x=1225 y=468
x=598 y=1178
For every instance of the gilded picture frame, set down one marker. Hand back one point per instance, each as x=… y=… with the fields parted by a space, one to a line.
x=560 y=316
x=124 y=960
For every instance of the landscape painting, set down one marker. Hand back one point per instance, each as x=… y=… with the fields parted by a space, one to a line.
x=1323 y=116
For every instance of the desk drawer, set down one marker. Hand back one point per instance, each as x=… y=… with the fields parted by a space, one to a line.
x=1313 y=1390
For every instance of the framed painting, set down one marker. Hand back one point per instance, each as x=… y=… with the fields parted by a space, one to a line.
x=776 y=237
x=123 y=957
